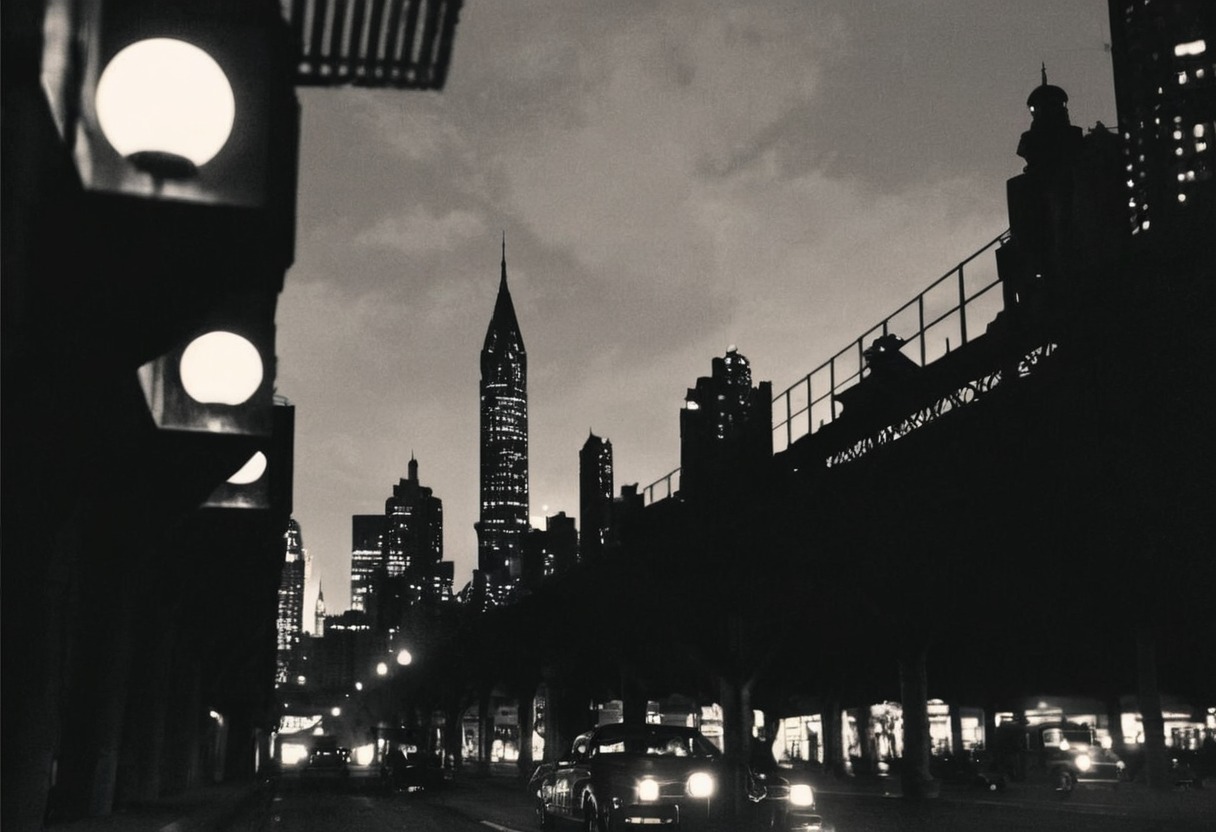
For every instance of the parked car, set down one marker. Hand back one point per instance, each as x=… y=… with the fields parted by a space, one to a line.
x=973 y=769
x=783 y=799
x=1062 y=753
x=619 y=777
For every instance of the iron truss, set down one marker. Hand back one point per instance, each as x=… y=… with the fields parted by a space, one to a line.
x=958 y=398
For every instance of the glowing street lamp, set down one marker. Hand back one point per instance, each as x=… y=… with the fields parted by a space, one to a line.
x=251 y=471
x=221 y=368
x=166 y=106
x=404 y=657
x=382 y=669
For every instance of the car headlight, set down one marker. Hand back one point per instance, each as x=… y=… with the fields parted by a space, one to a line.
x=1064 y=745
x=1084 y=762
x=701 y=784
x=648 y=790
x=801 y=795
x=1120 y=765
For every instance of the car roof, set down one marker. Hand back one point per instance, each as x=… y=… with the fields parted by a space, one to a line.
x=621 y=729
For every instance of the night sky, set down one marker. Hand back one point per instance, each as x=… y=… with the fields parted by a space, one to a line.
x=673 y=179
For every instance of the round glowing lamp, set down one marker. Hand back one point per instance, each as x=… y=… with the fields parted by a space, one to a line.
x=221 y=368
x=335 y=711
x=166 y=106
x=381 y=669
x=251 y=471
x=404 y=658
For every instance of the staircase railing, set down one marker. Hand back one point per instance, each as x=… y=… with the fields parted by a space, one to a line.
x=956 y=306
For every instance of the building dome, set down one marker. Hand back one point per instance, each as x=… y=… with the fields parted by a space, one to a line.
x=1047 y=98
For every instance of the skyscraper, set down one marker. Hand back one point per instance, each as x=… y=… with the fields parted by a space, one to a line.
x=504 y=443
x=413 y=539
x=291 y=602
x=594 y=495
x=397 y=557
x=366 y=553
x=726 y=426
x=318 y=622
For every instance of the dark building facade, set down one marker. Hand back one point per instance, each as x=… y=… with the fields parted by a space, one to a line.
x=291 y=602
x=725 y=426
x=504 y=443
x=594 y=495
x=549 y=552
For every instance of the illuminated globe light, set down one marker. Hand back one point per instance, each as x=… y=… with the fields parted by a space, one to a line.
x=221 y=368
x=166 y=105
x=404 y=658
x=251 y=471
x=335 y=711
x=381 y=669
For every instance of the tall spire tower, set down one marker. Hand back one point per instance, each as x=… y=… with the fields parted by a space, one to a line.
x=504 y=443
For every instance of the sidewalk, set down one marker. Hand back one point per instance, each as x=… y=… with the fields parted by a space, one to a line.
x=1129 y=799
x=213 y=808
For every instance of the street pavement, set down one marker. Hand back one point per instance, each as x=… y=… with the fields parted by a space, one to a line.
x=481 y=803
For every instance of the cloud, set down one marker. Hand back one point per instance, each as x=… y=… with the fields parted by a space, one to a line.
x=420 y=233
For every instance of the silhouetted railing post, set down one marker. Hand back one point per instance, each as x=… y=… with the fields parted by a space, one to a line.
x=920 y=311
x=789 y=415
x=832 y=388
x=962 y=305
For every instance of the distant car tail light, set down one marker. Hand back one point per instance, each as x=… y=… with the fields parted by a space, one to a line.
x=648 y=790
x=701 y=784
x=1084 y=762
x=801 y=795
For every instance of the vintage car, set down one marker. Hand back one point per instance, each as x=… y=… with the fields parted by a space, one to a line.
x=783 y=800
x=619 y=777
x=326 y=759
x=1063 y=753
x=405 y=764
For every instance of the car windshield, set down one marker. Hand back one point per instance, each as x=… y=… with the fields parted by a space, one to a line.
x=1074 y=736
x=653 y=741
